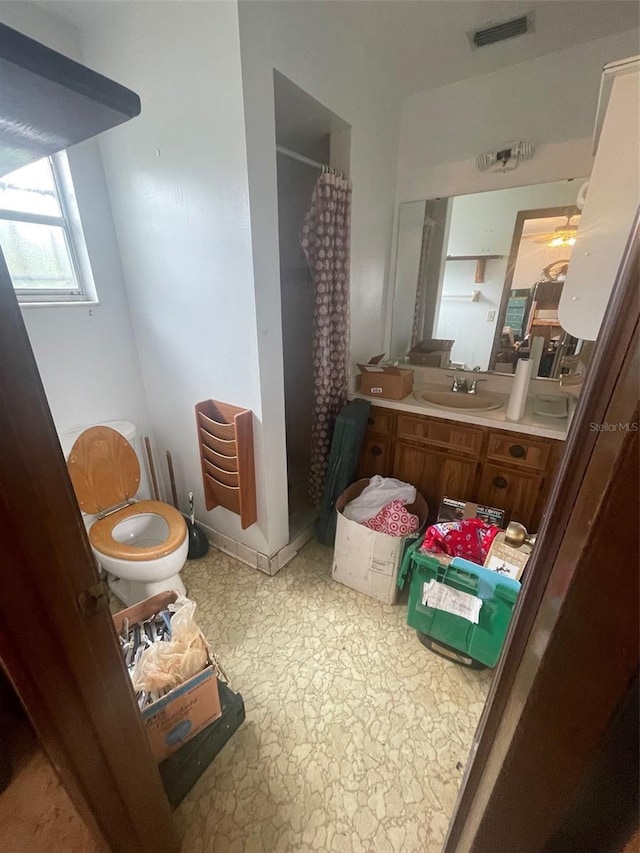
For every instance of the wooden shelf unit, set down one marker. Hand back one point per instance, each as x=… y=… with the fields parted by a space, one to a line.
x=225 y=440
x=481 y=263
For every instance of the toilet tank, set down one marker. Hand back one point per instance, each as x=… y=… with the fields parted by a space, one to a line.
x=129 y=431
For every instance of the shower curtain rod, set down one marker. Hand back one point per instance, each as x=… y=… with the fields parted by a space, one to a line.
x=301 y=158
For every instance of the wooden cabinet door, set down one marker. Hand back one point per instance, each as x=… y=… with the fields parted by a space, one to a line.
x=381 y=421
x=375 y=457
x=434 y=474
x=514 y=491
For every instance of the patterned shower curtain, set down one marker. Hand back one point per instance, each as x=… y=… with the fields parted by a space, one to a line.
x=325 y=242
x=417 y=331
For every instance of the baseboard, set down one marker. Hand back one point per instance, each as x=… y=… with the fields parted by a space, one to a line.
x=251 y=557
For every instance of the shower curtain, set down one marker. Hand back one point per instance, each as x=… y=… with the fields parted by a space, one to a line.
x=325 y=242
x=420 y=308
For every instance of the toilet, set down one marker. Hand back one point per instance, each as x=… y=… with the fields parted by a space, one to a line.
x=141 y=544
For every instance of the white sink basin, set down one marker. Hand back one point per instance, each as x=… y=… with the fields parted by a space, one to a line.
x=445 y=399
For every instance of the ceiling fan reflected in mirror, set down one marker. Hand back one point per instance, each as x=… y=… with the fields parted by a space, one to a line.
x=563 y=236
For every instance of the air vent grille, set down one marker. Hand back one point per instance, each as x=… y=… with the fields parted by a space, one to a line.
x=500 y=32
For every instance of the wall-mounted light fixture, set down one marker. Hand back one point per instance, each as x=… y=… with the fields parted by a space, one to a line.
x=506 y=158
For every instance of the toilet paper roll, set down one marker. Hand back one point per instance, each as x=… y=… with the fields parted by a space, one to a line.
x=519 y=389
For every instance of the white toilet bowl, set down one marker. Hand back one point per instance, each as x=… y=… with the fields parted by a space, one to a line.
x=142 y=545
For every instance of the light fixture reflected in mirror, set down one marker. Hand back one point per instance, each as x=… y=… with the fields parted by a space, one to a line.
x=564 y=235
x=522 y=236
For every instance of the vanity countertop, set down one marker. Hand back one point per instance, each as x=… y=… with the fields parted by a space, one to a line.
x=529 y=425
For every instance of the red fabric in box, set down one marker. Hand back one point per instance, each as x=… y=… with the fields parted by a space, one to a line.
x=470 y=539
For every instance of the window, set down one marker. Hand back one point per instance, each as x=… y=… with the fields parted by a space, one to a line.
x=41 y=236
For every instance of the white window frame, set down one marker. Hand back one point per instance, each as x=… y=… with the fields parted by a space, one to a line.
x=69 y=221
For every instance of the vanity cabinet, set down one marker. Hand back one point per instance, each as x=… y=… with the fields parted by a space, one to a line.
x=433 y=473
x=510 y=489
x=509 y=470
x=377 y=450
x=376 y=456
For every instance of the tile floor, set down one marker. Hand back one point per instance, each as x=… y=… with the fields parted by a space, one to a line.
x=355 y=737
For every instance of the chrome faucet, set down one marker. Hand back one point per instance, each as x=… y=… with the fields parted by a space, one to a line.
x=462 y=386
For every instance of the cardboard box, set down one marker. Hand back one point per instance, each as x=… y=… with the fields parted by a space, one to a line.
x=505 y=560
x=187 y=709
x=366 y=560
x=392 y=383
x=431 y=352
x=454 y=510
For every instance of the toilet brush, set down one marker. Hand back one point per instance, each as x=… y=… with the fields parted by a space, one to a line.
x=198 y=542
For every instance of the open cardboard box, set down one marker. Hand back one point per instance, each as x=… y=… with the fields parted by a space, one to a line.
x=455 y=510
x=367 y=560
x=432 y=352
x=392 y=383
x=187 y=709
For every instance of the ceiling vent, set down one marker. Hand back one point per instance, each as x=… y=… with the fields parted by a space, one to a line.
x=501 y=32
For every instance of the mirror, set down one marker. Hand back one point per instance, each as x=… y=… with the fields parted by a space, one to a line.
x=478 y=276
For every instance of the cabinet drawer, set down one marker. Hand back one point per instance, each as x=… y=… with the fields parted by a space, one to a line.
x=380 y=421
x=375 y=457
x=514 y=491
x=446 y=435
x=519 y=450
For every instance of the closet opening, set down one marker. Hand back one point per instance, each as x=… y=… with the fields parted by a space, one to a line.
x=309 y=137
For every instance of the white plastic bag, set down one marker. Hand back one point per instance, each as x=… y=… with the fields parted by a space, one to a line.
x=378 y=493
x=167 y=664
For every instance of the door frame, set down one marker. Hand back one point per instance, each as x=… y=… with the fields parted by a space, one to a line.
x=506 y=771
x=58 y=645
x=521 y=218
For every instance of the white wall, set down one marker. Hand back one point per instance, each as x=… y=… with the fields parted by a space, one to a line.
x=177 y=179
x=483 y=223
x=302 y=42
x=550 y=101
x=86 y=356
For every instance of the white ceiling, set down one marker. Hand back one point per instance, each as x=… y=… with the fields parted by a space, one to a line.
x=423 y=44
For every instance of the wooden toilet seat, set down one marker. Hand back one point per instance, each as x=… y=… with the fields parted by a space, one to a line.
x=105 y=473
x=101 y=532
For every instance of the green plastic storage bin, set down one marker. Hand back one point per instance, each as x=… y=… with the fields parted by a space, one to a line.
x=482 y=642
